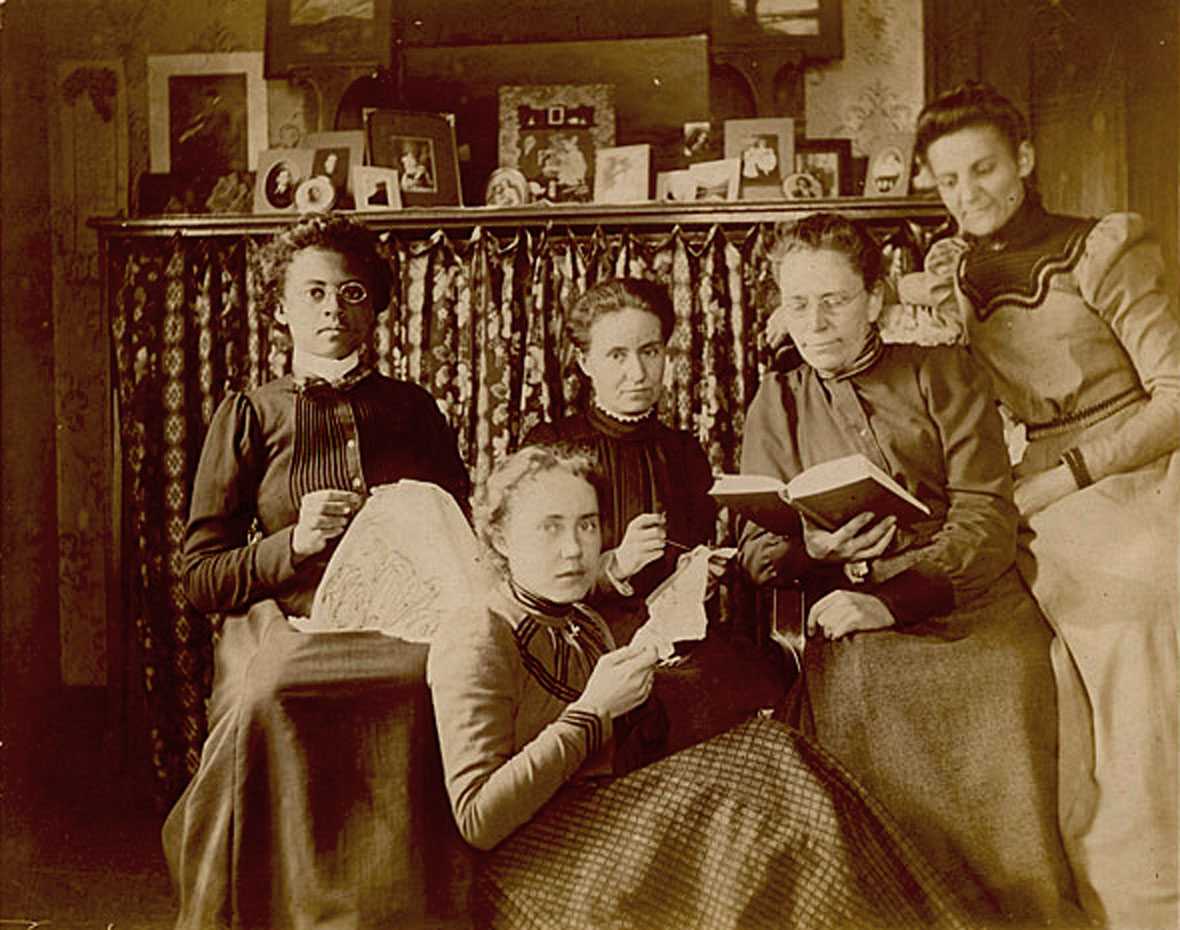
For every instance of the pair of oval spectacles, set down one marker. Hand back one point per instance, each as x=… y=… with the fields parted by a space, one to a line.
x=827 y=302
x=350 y=292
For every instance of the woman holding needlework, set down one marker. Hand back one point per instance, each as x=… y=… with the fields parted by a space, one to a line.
x=756 y=828
x=293 y=818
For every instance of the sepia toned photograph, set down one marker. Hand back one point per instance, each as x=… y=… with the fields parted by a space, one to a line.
x=756 y=508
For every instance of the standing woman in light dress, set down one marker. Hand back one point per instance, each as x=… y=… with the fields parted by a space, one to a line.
x=1072 y=319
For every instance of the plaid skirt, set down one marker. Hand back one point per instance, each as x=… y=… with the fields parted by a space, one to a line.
x=757 y=827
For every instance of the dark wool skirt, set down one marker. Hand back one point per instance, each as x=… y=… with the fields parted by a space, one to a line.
x=952 y=725
x=757 y=827
x=319 y=799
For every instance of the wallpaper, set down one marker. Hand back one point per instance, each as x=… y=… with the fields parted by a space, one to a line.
x=878 y=87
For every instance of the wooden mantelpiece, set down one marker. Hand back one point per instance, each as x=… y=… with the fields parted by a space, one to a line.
x=642 y=216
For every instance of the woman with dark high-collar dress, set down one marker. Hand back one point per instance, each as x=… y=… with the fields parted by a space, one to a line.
x=277 y=825
x=1075 y=324
x=926 y=665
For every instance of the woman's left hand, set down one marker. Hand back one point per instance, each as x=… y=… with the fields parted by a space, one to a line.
x=1036 y=492
x=844 y=612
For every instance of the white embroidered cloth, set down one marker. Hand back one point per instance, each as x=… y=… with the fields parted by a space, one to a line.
x=407 y=564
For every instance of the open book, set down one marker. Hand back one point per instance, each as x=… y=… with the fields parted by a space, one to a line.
x=829 y=495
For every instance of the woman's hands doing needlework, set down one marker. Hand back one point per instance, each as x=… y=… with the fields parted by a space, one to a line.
x=323 y=516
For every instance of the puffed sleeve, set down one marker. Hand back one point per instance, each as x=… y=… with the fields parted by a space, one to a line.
x=1121 y=276
x=222 y=571
x=768 y=448
x=976 y=542
x=475 y=676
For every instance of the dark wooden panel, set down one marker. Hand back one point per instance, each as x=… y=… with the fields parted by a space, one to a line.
x=451 y=22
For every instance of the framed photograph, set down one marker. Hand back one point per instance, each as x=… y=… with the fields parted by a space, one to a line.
x=280 y=172
x=829 y=161
x=421 y=147
x=802 y=186
x=888 y=174
x=302 y=33
x=375 y=188
x=621 y=174
x=766 y=149
x=206 y=113
x=676 y=185
x=552 y=132
x=813 y=28
x=336 y=154
x=716 y=180
x=506 y=187
x=701 y=141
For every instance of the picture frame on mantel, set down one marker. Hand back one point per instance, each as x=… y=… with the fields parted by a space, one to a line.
x=421 y=148
x=327 y=33
x=207 y=114
x=552 y=133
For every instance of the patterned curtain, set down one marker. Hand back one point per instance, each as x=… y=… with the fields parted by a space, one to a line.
x=477 y=320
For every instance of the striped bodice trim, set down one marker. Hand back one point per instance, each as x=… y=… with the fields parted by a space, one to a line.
x=579 y=642
x=998 y=275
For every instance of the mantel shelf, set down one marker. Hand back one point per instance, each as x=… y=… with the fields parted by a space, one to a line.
x=606 y=216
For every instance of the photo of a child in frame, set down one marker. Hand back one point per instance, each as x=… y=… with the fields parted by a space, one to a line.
x=416 y=164
x=760 y=159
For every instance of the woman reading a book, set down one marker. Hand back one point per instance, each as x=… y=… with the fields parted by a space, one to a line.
x=1073 y=321
x=756 y=827
x=926 y=667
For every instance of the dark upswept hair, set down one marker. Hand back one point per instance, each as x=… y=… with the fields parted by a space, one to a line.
x=972 y=103
x=494 y=500
x=615 y=295
x=830 y=231
x=332 y=232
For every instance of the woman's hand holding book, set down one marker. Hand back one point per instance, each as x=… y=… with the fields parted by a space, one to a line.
x=857 y=540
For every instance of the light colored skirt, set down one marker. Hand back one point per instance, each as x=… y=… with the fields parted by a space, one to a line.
x=1103 y=564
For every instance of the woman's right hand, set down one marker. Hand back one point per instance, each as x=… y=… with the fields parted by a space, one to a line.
x=643 y=543
x=323 y=516
x=621 y=679
x=854 y=541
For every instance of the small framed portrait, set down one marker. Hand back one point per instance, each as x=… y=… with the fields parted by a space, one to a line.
x=421 y=148
x=506 y=187
x=336 y=154
x=701 y=141
x=621 y=174
x=802 y=185
x=672 y=186
x=888 y=173
x=375 y=188
x=766 y=150
x=716 y=180
x=280 y=172
x=829 y=161
x=207 y=114
x=552 y=134
x=302 y=33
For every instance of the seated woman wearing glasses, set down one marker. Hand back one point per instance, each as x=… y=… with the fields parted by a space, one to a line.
x=281 y=825
x=753 y=828
x=926 y=669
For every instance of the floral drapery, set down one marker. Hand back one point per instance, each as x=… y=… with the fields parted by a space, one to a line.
x=475 y=318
